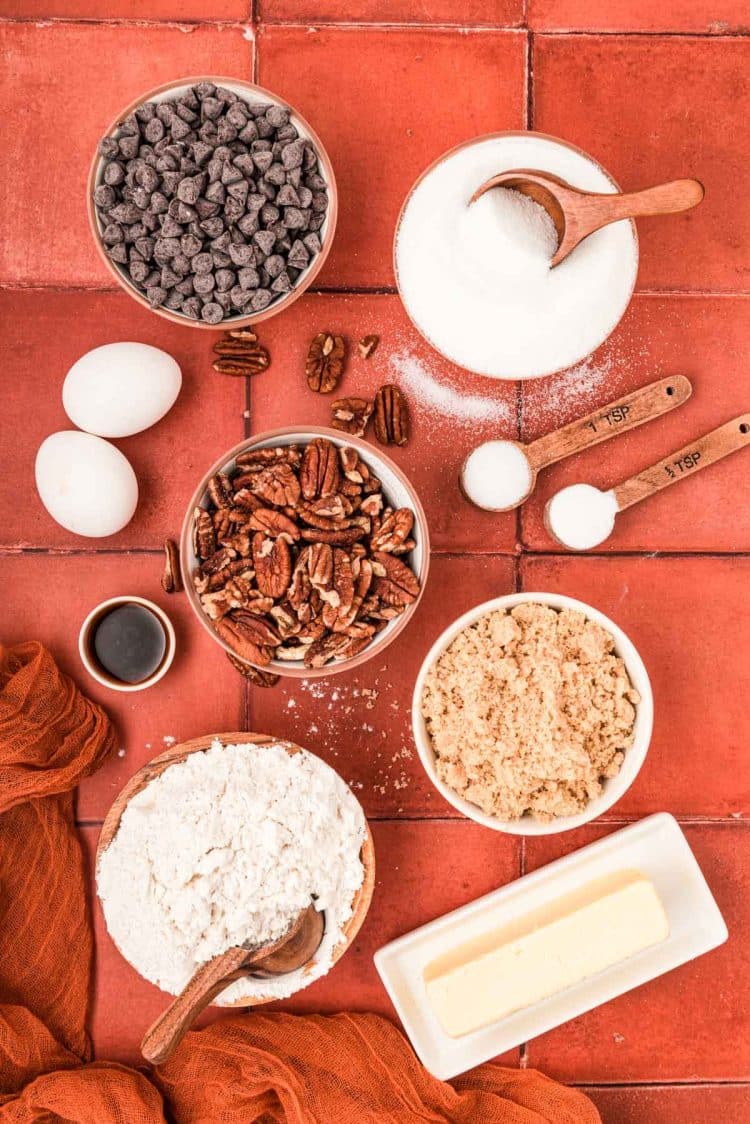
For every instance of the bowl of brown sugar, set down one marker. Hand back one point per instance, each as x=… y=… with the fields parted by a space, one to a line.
x=532 y=713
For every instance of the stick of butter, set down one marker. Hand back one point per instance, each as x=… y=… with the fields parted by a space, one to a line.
x=541 y=954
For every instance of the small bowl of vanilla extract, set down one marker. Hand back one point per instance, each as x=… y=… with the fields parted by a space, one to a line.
x=127 y=643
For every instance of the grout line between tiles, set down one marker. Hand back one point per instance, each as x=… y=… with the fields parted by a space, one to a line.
x=353 y=290
x=706 y=1083
x=42 y=22
x=12 y=551
x=530 y=80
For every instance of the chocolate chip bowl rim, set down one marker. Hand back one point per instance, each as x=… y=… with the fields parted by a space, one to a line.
x=386 y=470
x=249 y=92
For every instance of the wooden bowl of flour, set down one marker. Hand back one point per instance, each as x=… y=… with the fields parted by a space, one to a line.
x=179 y=752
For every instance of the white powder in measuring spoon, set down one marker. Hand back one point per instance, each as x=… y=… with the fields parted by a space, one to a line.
x=497 y=475
x=476 y=279
x=581 y=516
x=225 y=848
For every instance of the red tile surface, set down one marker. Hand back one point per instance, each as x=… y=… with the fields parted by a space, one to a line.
x=471 y=862
x=638 y=15
x=690 y=621
x=492 y=13
x=141 y=10
x=701 y=1104
x=439 y=443
x=639 y=1036
x=367 y=737
x=169 y=459
x=48 y=596
x=653 y=109
x=405 y=103
x=59 y=113
x=705 y=338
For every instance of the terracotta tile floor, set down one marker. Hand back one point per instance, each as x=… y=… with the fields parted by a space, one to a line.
x=654 y=91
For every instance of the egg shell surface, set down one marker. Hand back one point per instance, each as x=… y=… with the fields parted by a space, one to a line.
x=121 y=388
x=86 y=484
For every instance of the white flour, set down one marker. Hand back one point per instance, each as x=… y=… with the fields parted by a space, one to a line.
x=476 y=279
x=226 y=848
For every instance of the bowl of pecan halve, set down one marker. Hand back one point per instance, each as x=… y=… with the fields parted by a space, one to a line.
x=304 y=552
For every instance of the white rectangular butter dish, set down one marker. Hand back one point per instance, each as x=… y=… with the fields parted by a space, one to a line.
x=656 y=847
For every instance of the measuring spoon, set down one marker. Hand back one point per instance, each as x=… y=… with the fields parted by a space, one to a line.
x=291 y=951
x=580 y=516
x=576 y=214
x=515 y=464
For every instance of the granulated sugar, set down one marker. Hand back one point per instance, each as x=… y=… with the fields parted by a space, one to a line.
x=416 y=380
x=476 y=279
x=225 y=848
x=581 y=517
x=496 y=475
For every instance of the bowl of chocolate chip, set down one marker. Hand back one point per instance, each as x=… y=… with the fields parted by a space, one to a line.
x=212 y=202
x=304 y=553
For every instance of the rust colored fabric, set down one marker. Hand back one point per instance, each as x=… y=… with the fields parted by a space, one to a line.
x=348 y=1069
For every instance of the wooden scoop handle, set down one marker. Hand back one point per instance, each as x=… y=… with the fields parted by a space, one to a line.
x=618 y=417
x=701 y=453
x=664 y=199
x=166 y=1033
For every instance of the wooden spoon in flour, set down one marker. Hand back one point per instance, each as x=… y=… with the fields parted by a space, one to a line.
x=291 y=951
x=576 y=214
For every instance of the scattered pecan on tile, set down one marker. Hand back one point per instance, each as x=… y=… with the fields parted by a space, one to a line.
x=325 y=362
x=351 y=415
x=239 y=353
x=367 y=345
x=391 y=416
x=171 y=582
x=299 y=557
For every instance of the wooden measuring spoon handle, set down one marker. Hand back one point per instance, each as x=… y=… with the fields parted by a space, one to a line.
x=701 y=453
x=595 y=211
x=165 y=1034
x=617 y=417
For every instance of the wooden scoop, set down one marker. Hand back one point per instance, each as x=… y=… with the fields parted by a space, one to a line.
x=291 y=951
x=576 y=214
x=626 y=413
x=699 y=454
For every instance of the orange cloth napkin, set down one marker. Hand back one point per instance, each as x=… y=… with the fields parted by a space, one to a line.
x=348 y=1069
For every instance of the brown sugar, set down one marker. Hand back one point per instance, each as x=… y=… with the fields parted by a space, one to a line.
x=529 y=710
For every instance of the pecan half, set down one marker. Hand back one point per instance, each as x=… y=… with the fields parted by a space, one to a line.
x=367 y=345
x=395 y=583
x=240 y=354
x=319 y=472
x=204 y=536
x=171 y=582
x=234 y=632
x=219 y=489
x=393 y=531
x=351 y=415
x=276 y=484
x=325 y=362
x=273 y=523
x=391 y=416
x=273 y=565
x=261 y=458
x=256 y=676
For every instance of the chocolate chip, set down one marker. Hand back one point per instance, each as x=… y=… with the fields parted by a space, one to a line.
x=154 y=130
x=192 y=307
x=261 y=299
x=275 y=175
x=298 y=256
x=108 y=147
x=225 y=279
x=104 y=197
x=248 y=277
x=293 y=218
x=264 y=240
x=273 y=265
x=292 y=154
x=204 y=283
x=237 y=115
x=312 y=242
x=287 y=196
x=119 y=253
x=212 y=312
x=174 y=300
x=269 y=214
x=282 y=284
x=241 y=255
x=169 y=278
x=155 y=295
x=114 y=174
x=220 y=259
x=128 y=147
x=240 y=297
x=112 y=233
x=190 y=245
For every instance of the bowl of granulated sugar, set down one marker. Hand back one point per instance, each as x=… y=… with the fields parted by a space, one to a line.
x=475 y=278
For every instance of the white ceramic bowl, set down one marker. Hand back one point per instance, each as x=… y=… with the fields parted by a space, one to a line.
x=614 y=787
x=398 y=491
x=248 y=92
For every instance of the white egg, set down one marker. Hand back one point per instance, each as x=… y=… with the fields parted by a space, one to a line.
x=85 y=483
x=121 y=388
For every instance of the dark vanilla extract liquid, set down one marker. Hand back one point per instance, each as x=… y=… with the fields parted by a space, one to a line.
x=129 y=643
